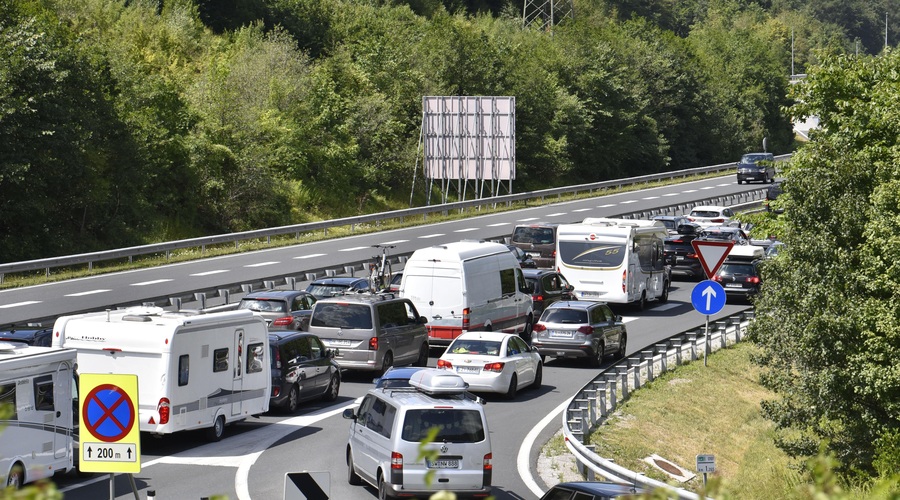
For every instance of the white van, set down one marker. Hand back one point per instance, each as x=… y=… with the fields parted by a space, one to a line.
x=37 y=435
x=468 y=285
x=195 y=371
x=394 y=427
x=614 y=260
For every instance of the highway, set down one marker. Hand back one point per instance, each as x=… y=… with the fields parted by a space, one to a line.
x=251 y=461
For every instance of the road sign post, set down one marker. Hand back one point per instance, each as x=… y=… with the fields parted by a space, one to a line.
x=706 y=464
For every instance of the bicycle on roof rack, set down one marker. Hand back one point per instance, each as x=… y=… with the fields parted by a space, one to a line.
x=380 y=270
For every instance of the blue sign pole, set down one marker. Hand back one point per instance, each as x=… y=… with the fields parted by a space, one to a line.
x=708 y=297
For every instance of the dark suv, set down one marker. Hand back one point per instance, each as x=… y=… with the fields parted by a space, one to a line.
x=756 y=167
x=302 y=370
x=282 y=309
x=538 y=240
x=680 y=254
x=739 y=278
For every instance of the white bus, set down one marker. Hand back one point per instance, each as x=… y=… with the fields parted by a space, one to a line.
x=36 y=395
x=614 y=260
x=195 y=371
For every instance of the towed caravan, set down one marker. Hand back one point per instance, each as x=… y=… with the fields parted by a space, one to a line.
x=37 y=431
x=195 y=371
x=614 y=260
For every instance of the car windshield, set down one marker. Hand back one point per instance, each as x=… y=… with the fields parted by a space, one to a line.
x=475 y=346
x=264 y=305
x=752 y=158
x=453 y=425
x=342 y=315
x=717 y=235
x=560 y=315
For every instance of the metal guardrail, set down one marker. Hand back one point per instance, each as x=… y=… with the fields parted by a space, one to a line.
x=298 y=229
x=597 y=400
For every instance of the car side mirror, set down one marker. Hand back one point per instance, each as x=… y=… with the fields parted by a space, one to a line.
x=348 y=414
x=423 y=320
x=618 y=318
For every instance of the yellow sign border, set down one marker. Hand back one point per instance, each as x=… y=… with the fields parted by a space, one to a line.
x=87 y=382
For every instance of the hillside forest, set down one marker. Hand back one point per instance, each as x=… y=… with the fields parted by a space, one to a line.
x=126 y=122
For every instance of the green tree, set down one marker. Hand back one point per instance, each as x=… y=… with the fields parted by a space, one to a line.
x=828 y=318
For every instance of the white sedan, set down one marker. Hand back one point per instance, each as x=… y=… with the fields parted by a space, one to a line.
x=493 y=362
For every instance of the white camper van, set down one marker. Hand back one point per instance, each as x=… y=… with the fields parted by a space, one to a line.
x=195 y=371
x=468 y=285
x=614 y=260
x=37 y=428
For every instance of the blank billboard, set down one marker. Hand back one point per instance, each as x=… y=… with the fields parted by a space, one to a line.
x=469 y=138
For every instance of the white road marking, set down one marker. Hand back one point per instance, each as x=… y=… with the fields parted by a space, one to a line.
x=20 y=304
x=726 y=184
x=582 y=209
x=207 y=273
x=628 y=201
x=353 y=249
x=428 y=236
x=261 y=264
x=90 y=292
x=557 y=214
x=607 y=205
x=394 y=242
x=666 y=306
x=498 y=224
x=528 y=219
x=145 y=283
x=708 y=187
x=628 y=319
x=311 y=256
x=690 y=191
x=466 y=230
x=651 y=198
x=671 y=194
x=522 y=463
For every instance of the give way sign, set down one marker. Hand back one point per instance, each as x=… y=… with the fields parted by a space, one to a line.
x=711 y=254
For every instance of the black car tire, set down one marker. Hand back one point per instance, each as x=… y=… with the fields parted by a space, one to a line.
x=597 y=359
x=538 y=377
x=352 y=477
x=623 y=345
x=217 y=430
x=293 y=399
x=387 y=362
x=16 y=477
x=513 y=387
x=383 y=489
x=334 y=387
x=665 y=295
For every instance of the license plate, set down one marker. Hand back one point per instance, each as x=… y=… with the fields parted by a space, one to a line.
x=733 y=285
x=345 y=343
x=442 y=464
x=560 y=334
x=590 y=294
x=467 y=369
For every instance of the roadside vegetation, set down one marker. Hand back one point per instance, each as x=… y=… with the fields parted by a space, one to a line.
x=146 y=121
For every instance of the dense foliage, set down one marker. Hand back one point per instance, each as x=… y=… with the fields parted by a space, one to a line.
x=828 y=319
x=127 y=122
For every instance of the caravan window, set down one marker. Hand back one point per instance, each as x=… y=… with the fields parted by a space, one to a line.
x=591 y=254
x=8 y=398
x=43 y=393
x=220 y=360
x=184 y=368
x=255 y=358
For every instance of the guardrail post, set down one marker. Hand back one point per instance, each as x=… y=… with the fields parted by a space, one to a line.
x=736 y=324
x=247 y=288
x=623 y=376
x=692 y=340
x=350 y=270
x=226 y=293
x=588 y=472
x=291 y=282
x=175 y=301
x=601 y=397
x=269 y=284
x=310 y=276
x=201 y=298
x=663 y=350
x=722 y=327
x=591 y=396
x=676 y=344
x=649 y=354
x=613 y=383
x=330 y=273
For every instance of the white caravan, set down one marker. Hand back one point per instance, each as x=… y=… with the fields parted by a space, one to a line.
x=37 y=427
x=195 y=371
x=468 y=285
x=614 y=260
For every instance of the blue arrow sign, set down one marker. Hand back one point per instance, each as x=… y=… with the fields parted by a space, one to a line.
x=708 y=297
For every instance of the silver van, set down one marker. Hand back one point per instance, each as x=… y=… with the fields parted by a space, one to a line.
x=434 y=415
x=371 y=331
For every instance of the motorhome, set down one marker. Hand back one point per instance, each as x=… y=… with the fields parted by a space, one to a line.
x=614 y=260
x=195 y=371
x=37 y=408
x=468 y=285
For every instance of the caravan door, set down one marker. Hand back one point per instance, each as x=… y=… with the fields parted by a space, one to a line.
x=62 y=402
x=237 y=384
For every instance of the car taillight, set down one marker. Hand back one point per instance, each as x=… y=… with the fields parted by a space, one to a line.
x=163 y=409
x=465 y=323
x=373 y=343
x=692 y=256
x=539 y=327
x=488 y=461
x=442 y=363
x=396 y=460
x=537 y=297
x=494 y=367
x=624 y=277
x=676 y=241
x=587 y=330
x=718 y=221
x=717 y=278
x=753 y=280
x=285 y=321
x=277 y=359
x=276 y=391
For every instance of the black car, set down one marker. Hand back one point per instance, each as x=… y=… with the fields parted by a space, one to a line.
x=739 y=278
x=756 y=167
x=525 y=260
x=302 y=370
x=282 y=309
x=31 y=335
x=547 y=287
x=590 y=490
x=332 y=287
x=680 y=254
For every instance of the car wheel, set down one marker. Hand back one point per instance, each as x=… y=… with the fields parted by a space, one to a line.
x=423 y=356
x=293 y=399
x=597 y=359
x=665 y=295
x=383 y=489
x=740 y=182
x=352 y=477
x=217 y=430
x=387 y=362
x=623 y=340
x=529 y=329
x=16 y=477
x=513 y=387
x=642 y=304
x=538 y=377
x=334 y=388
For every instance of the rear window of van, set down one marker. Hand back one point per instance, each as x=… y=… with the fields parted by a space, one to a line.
x=453 y=425
x=535 y=235
x=342 y=315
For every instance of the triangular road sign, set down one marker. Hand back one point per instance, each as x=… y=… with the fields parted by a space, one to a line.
x=711 y=254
